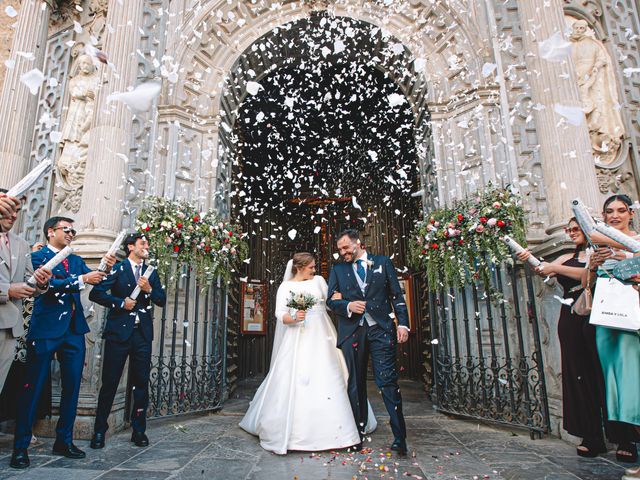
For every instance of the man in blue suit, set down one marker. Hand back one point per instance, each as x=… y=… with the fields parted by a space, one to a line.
x=128 y=334
x=369 y=287
x=57 y=328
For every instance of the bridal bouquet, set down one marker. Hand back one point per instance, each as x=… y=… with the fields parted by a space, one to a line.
x=301 y=301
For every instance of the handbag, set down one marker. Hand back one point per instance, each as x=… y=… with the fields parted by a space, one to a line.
x=583 y=304
x=615 y=305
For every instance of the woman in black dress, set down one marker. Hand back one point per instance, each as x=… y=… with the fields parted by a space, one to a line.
x=582 y=381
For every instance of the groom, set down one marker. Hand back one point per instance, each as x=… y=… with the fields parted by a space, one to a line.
x=369 y=287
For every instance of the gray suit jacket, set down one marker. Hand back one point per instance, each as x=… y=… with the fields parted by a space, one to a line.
x=21 y=269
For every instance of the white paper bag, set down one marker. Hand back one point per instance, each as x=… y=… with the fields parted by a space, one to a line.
x=615 y=305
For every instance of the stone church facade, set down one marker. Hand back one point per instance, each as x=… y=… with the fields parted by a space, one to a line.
x=488 y=108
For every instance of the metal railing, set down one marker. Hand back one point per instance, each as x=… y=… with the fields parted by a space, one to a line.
x=486 y=351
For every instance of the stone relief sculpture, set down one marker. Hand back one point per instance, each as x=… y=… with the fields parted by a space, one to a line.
x=75 y=143
x=597 y=86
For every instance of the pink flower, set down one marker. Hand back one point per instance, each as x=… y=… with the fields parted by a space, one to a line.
x=480 y=228
x=492 y=222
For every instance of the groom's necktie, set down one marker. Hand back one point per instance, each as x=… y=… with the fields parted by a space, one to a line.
x=360 y=270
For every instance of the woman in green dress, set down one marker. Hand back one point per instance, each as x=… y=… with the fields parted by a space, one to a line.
x=619 y=350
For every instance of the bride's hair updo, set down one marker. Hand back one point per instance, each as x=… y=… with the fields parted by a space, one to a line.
x=301 y=260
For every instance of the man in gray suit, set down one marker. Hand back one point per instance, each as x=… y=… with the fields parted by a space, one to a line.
x=15 y=269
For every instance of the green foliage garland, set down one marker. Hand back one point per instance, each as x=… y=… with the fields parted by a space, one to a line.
x=458 y=244
x=177 y=230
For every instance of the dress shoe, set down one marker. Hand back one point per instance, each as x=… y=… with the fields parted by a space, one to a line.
x=400 y=447
x=97 y=441
x=140 y=439
x=631 y=473
x=67 y=450
x=19 y=459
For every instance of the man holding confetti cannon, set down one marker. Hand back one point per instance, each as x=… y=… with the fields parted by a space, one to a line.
x=128 y=293
x=58 y=326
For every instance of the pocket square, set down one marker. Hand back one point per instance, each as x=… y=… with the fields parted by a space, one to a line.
x=378 y=270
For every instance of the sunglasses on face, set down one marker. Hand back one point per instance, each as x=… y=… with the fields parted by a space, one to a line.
x=570 y=230
x=70 y=230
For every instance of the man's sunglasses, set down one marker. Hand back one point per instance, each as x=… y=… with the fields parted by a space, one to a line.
x=70 y=230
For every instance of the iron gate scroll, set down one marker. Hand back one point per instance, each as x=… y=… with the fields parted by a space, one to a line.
x=188 y=360
x=486 y=352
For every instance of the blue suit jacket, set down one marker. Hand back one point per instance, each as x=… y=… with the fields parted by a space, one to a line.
x=382 y=291
x=111 y=293
x=54 y=309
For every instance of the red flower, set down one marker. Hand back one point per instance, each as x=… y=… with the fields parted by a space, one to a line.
x=432 y=221
x=423 y=251
x=460 y=217
x=483 y=220
x=196 y=218
x=176 y=248
x=179 y=225
x=147 y=228
x=446 y=233
x=461 y=242
x=500 y=224
x=207 y=248
x=231 y=234
x=434 y=245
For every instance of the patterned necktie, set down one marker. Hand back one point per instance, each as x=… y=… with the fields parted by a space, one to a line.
x=4 y=247
x=136 y=272
x=65 y=264
x=360 y=269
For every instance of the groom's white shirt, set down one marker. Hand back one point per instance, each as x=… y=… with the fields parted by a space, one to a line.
x=363 y=286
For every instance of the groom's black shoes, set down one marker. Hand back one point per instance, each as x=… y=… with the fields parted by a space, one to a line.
x=400 y=447
x=97 y=441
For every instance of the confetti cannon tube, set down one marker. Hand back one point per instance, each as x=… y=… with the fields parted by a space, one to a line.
x=112 y=250
x=585 y=220
x=147 y=273
x=20 y=188
x=625 y=240
x=53 y=263
x=517 y=248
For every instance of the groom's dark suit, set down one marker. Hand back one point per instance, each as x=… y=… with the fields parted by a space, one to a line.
x=358 y=336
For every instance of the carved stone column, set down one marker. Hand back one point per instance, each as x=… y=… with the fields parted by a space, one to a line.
x=17 y=105
x=100 y=215
x=565 y=149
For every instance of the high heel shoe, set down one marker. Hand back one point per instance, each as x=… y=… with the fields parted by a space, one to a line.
x=631 y=453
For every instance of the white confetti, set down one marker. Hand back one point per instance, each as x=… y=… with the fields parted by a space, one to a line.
x=354 y=202
x=292 y=233
x=488 y=69
x=564 y=301
x=11 y=12
x=140 y=99
x=555 y=48
x=396 y=99
x=32 y=79
x=253 y=88
x=55 y=136
x=574 y=115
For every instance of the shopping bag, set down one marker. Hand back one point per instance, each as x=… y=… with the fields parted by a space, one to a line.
x=615 y=305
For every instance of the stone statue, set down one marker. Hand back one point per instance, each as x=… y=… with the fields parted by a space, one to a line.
x=75 y=143
x=598 y=94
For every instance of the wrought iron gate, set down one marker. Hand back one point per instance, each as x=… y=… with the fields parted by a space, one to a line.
x=188 y=365
x=486 y=351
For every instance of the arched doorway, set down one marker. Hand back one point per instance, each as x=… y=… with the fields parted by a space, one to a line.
x=322 y=132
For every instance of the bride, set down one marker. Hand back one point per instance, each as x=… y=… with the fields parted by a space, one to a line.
x=302 y=403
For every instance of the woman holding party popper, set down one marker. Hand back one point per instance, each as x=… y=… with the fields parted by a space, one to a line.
x=582 y=382
x=302 y=404
x=619 y=350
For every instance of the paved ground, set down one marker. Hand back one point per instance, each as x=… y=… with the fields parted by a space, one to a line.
x=212 y=447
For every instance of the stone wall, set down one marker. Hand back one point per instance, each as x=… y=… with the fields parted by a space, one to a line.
x=6 y=34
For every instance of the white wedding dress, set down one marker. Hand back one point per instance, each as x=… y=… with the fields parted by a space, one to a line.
x=302 y=404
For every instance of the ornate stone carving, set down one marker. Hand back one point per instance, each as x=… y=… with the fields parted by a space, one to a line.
x=75 y=143
x=597 y=86
x=612 y=180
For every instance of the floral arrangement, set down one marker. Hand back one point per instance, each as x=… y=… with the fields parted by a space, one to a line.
x=458 y=244
x=176 y=229
x=301 y=301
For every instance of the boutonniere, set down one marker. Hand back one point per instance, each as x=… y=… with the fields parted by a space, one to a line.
x=370 y=263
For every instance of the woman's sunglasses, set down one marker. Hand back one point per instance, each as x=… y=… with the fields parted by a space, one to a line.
x=572 y=230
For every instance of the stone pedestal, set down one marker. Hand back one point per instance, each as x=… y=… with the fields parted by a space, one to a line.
x=17 y=105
